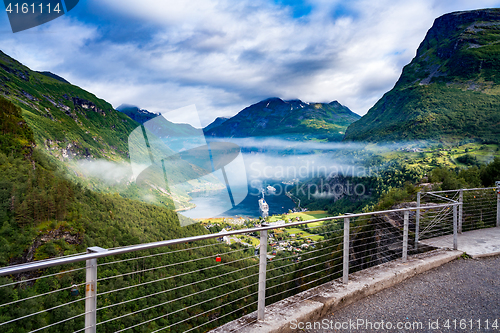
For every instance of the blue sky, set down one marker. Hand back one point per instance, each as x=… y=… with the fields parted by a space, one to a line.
x=225 y=55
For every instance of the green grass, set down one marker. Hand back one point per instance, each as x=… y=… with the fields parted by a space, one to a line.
x=250 y=240
x=304 y=234
x=446 y=156
x=312 y=215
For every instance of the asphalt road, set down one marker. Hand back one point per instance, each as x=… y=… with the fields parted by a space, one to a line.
x=460 y=296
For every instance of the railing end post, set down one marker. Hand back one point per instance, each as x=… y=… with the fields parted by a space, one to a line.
x=345 y=270
x=405 y=235
x=455 y=227
x=261 y=301
x=497 y=183
x=417 y=220
x=460 y=210
x=91 y=291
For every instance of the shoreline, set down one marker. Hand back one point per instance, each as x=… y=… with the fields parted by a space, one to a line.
x=247 y=210
x=191 y=198
x=207 y=190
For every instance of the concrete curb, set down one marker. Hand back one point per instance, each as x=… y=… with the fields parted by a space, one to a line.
x=315 y=303
x=477 y=243
x=484 y=255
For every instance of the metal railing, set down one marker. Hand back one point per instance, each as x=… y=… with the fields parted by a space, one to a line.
x=157 y=292
x=480 y=209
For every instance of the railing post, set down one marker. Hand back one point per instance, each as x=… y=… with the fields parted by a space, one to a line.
x=417 y=220
x=405 y=235
x=261 y=302
x=498 y=203
x=455 y=228
x=460 y=210
x=91 y=292
x=345 y=278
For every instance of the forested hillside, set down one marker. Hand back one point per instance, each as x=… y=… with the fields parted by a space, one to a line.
x=36 y=198
x=80 y=133
x=66 y=120
x=44 y=215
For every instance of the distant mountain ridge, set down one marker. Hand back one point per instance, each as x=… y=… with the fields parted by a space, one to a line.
x=137 y=114
x=292 y=119
x=218 y=121
x=449 y=91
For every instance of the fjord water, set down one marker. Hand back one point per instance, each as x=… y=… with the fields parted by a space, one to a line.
x=207 y=202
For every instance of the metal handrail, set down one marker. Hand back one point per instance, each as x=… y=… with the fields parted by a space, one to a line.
x=441 y=197
x=93 y=253
x=463 y=189
x=16 y=269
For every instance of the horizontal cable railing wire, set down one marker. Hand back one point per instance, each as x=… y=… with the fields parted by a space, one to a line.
x=165 y=266
x=479 y=210
x=154 y=255
x=302 y=262
x=158 y=295
x=198 y=283
x=49 y=300
x=25 y=281
x=375 y=240
x=312 y=268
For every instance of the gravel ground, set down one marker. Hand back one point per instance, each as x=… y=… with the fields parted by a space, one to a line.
x=460 y=296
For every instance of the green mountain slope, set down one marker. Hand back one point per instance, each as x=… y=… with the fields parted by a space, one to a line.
x=218 y=121
x=43 y=215
x=69 y=121
x=36 y=198
x=449 y=91
x=84 y=136
x=294 y=120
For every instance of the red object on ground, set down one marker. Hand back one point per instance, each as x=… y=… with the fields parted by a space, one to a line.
x=218 y=259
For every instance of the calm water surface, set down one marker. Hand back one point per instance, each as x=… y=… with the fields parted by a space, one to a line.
x=207 y=203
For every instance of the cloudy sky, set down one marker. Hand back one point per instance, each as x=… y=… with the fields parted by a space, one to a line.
x=225 y=55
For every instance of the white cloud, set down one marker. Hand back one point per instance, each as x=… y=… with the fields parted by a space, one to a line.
x=48 y=46
x=109 y=172
x=225 y=55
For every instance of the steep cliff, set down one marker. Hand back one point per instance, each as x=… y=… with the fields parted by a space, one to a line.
x=449 y=91
x=67 y=120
